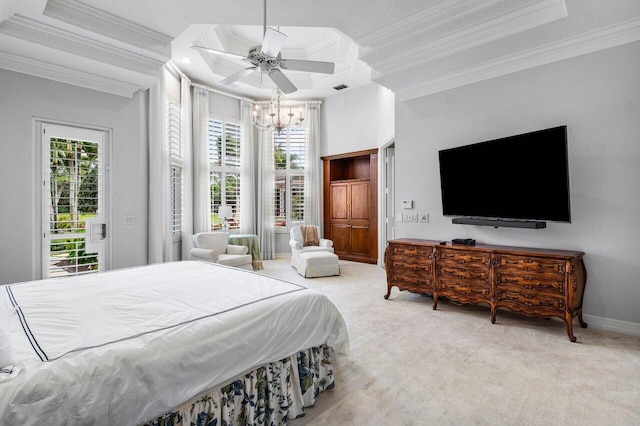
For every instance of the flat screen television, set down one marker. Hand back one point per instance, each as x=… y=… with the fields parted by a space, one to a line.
x=518 y=178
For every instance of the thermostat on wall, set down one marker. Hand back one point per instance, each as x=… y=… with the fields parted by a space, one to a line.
x=407 y=204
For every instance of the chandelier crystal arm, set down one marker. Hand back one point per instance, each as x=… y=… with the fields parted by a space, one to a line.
x=274 y=115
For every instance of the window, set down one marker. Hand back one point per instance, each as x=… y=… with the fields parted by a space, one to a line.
x=175 y=158
x=224 y=166
x=289 y=159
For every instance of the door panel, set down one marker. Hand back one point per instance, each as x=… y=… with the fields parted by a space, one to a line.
x=72 y=198
x=360 y=240
x=340 y=235
x=339 y=202
x=359 y=202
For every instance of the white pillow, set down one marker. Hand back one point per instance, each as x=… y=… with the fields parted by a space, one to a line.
x=6 y=350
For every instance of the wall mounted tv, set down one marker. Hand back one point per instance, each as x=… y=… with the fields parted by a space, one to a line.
x=518 y=181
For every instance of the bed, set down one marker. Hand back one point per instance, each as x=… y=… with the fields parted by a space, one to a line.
x=171 y=343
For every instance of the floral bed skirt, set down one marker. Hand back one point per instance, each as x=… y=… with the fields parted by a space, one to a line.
x=268 y=395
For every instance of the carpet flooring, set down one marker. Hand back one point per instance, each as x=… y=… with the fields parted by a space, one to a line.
x=411 y=365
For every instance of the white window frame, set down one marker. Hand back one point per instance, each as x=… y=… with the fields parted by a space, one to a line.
x=224 y=169
x=288 y=173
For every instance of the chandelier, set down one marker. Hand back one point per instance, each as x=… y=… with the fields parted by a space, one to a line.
x=275 y=115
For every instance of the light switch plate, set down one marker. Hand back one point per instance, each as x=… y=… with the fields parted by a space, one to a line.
x=411 y=217
x=423 y=217
x=399 y=217
x=407 y=204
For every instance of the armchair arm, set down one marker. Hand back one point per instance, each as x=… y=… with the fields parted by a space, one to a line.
x=204 y=254
x=325 y=243
x=236 y=249
x=297 y=245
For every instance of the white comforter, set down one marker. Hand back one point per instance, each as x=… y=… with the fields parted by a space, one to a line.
x=125 y=346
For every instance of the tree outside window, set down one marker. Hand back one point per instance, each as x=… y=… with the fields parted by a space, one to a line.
x=224 y=165
x=289 y=159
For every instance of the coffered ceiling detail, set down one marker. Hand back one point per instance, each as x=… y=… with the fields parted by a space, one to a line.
x=413 y=47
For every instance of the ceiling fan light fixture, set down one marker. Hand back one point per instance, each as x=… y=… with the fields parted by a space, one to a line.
x=268 y=59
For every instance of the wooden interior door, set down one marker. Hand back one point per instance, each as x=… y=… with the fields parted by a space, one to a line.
x=359 y=201
x=339 y=201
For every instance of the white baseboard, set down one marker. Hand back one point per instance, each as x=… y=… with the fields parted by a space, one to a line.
x=608 y=324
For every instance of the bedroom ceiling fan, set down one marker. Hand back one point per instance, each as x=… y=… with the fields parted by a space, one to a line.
x=268 y=59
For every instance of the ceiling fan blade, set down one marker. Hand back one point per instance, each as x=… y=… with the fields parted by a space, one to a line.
x=237 y=76
x=273 y=42
x=221 y=53
x=282 y=81
x=310 y=66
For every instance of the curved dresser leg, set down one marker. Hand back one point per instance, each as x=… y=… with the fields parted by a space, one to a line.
x=568 y=319
x=493 y=315
x=582 y=323
x=386 y=296
x=435 y=301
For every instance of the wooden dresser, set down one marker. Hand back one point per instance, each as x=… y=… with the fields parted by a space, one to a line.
x=539 y=282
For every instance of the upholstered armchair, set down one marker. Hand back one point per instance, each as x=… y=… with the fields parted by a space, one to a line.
x=213 y=247
x=297 y=245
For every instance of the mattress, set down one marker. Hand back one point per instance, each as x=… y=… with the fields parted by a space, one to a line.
x=129 y=345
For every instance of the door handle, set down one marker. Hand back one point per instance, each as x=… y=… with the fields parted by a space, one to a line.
x=104 y=231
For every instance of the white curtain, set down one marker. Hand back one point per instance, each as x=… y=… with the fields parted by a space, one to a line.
x=266 y=177
x=200 y=138
x=312 y=181
x=160 y=239
x=187 y=166
x=247 y=172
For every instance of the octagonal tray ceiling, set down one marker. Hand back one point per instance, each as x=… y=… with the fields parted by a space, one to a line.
x=413 y=47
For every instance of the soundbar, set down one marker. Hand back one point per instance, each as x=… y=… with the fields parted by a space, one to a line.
x=500 y=223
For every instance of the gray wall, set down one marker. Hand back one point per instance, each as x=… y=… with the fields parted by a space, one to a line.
x=22 y=98
x=597 y=96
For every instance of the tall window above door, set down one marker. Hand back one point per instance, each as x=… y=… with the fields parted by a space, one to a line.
x=289 y=161
x=224 y=166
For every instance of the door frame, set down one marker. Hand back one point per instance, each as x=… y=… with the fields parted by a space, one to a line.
x=38 y=193
x=387 y=202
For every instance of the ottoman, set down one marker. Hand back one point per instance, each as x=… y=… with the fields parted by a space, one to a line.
x=318 y=264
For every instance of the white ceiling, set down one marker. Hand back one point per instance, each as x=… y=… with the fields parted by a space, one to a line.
x=413 y=47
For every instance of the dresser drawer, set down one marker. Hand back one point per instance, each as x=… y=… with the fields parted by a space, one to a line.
x=532 y=282
x=463 y=257
x=534 y=303
x=453 y=270
x=412 y=281
x=452 y=288
x=406 y=250
x=531 y=264
x=411 y=263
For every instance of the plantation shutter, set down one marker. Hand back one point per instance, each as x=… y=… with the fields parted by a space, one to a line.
x=175 y=159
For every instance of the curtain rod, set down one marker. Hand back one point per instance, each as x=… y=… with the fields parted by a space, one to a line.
x=242 y=98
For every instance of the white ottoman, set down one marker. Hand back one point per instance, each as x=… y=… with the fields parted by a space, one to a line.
x=318 y=264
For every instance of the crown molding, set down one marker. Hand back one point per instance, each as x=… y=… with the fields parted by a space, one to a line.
x=46 y=35
x=512 y=22
x=7 y=8
x=612 y=36
x=100 y=22
x=66 y=75
x=432 y=16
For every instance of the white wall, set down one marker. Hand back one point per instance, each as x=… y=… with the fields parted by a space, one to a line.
x=358 y=119
x=22 y=98
x=597 y=96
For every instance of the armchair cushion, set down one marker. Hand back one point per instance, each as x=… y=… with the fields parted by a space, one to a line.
x=204 y=254
x=213 y=247
x=234 y=249
x=212 y=241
